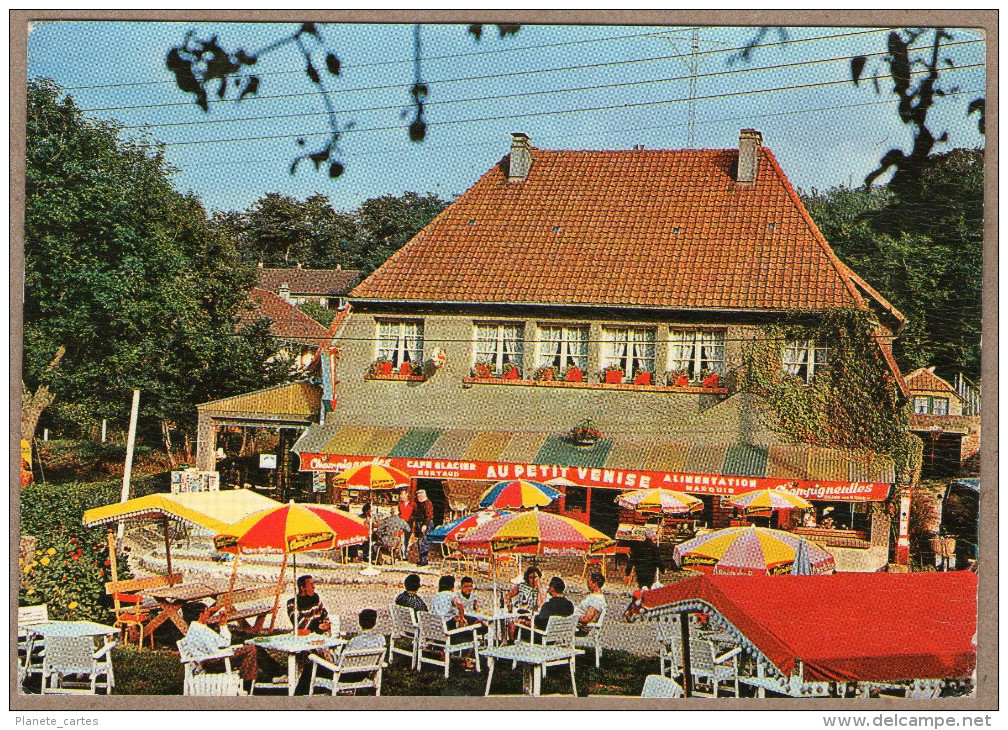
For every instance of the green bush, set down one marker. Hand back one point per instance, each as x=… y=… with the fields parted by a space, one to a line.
x=71 y=564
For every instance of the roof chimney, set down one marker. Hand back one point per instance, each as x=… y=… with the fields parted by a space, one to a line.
x=521 y=157
x=750 y=141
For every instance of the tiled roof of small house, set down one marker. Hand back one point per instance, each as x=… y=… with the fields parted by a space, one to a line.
x=924 y=379
x=289 y=322
x=320 y=282
x=633 y=228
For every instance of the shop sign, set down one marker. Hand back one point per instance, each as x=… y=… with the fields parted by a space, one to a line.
x=267 y=461
x=714 y=484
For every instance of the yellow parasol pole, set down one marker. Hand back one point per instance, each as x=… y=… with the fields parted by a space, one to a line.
x=276 y=601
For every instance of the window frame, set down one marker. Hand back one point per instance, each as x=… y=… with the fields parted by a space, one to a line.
x=566 y=340
x=497 y=359
x=816 y=355
x=609 y=341
x=399 y=350
x=697 y=365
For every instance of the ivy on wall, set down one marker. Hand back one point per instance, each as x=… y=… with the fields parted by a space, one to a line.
x=852 y=403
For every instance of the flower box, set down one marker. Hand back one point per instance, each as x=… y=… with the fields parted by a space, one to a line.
x=613 y=376
x=574 y=375
x=406 y=368
x=642 y=378
x=682 y=381
x=383 y=367
x=511 y=373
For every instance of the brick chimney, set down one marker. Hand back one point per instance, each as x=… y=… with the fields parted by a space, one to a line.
x=521 y=157
x=750 y=141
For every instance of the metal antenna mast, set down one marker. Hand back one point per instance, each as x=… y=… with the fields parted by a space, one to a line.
x=692 y=61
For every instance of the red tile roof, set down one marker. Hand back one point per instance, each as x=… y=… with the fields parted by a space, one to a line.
x=289 y=322
x=924 y=379
x=320 y=282
x=634 y=228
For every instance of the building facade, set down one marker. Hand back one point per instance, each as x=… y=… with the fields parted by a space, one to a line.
x=945 y=420
x=613 y=292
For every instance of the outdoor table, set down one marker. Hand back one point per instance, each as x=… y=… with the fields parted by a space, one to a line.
x=170 y=600
x=534 y=658
x=64 y=628
x=498 y=620
x=292 y=645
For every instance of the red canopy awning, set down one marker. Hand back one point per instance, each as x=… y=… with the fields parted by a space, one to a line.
x=847 y=627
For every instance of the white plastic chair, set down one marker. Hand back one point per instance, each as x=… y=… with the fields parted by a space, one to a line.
x=216 y=685
x=66 y=656
x=404 y=626
x=705 y=664
x=659 y=686
x=669 y=637
x=559 y=631
x=199 y=682
x=594 y=636
x=29 y=616
x=436 y=638
x=355 y=669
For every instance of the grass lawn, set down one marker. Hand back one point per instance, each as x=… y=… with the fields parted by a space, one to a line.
x=160 y=673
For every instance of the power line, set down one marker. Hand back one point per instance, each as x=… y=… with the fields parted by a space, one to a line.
x=692 y=77
x=486 y=77
x=723 y=120
x=614 y=107
x=373 y=64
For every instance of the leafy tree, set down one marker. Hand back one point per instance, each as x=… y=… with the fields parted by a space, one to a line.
x=385 y=224
x=127 y=275
x=317 y=312
x=921 y=246
x=280 y=231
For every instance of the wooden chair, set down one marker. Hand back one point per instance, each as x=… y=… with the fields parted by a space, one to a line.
x=450 y=554
x=594 y=637
x=66 y=656
x=198 y=682
x=436 y=638
x=355 y=669
x=134 y=616
x=404 y=627
x=592 y=563
x=659 y=686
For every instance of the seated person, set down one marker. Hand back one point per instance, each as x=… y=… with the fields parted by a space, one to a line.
x=312 y=617
x=250 y=659
x=465 y=602
x=409 y=597
x=592 y=605
x=367 y=638
x=388 y=533
x=526 y=598
x=557 y=605
x=442 y=604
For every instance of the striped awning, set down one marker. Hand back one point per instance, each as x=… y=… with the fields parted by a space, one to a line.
x=692 y=466
x=212 y=510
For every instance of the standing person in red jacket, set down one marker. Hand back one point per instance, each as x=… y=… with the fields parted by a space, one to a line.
x=406 y=508
x=423 y=521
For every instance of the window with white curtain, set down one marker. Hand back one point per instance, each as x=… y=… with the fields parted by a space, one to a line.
x=804 y=357
x=922 y=404
x=926 y=404
x=500 y=345
x=693 y=351
x=400 y=341
x=562 y=347
x=939 y=406
x=629 y=348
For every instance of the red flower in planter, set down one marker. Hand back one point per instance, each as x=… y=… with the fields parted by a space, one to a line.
x=642 y=378
x=711 y=381
x=406 y=368
x=574 y=375
x=511 y=373
x=483 y=371
x=682 y=381
x=614 y=376
x=383 y=367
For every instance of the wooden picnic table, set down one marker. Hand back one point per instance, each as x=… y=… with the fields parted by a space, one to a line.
x=170 y=600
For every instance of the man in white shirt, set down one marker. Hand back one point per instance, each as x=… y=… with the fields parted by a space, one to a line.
x=592 y=606
x=367 y=638
x=442 y=604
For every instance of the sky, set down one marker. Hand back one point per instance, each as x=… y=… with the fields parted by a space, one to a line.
x=567 y=87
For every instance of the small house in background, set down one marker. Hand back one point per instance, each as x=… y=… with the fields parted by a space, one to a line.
x=947 y=418
x=298 y=285
x=300 y=335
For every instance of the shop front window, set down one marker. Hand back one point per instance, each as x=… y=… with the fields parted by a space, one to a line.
x=500 y=345
x=693 y=351
x=563 y=347
x=631 y=349
x=804 y=357
x=400 y=341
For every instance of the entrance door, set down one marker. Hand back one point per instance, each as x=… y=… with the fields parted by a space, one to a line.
x=436 y=494
x=603 y=510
